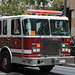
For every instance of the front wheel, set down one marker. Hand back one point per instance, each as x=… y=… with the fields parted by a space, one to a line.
x=46 y=68
x=5 y=61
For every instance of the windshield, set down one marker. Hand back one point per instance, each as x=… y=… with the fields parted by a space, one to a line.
x=36 y=27
x=60 y=27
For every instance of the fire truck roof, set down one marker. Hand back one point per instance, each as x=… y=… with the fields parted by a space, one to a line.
x=35 y=17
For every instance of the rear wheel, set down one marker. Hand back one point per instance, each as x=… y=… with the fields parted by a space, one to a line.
x=46 y=68
x=5 y=61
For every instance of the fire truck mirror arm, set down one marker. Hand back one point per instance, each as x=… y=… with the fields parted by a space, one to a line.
x=5 y=48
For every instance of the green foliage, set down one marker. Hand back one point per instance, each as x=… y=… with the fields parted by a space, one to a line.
x=28 y=2
x=18 y=7
x=44 y=3
x=57 y=5
x=13 y=7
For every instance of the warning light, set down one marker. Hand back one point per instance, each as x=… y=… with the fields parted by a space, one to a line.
x=25 y=14
x=63 y=45
x=38 y=45
x=44 y=11
x=50 y=15
x=39 y=14
x=45 y=15
x=63 y=16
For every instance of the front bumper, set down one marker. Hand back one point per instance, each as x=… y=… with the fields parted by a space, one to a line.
x=44 y=61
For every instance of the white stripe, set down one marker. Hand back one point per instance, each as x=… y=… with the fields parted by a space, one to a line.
x=27 y=51
x=16 y=50
x=32 y=36
x=20 y=51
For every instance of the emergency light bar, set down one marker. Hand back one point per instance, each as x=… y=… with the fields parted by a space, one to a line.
x=44 y=11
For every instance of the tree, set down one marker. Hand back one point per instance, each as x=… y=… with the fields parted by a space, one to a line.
x=12 y=7
x=57 y=5
x=29 y=2
x=18 y=7
x=44 y=3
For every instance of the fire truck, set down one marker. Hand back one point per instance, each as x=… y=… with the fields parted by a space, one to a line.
x=34 y=40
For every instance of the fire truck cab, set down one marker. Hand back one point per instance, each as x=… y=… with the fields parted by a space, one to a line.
x=32 y=40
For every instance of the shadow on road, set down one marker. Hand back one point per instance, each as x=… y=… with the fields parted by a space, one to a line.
x=29 y=71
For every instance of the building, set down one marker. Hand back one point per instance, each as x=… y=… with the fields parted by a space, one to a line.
x=71 y=15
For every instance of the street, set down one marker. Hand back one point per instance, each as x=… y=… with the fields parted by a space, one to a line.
x=57 y=70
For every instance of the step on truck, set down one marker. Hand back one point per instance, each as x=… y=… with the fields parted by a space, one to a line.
x=34 y=40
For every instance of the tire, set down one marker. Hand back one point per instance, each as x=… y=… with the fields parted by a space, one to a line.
x=5 y=61
x=15 y=67
x=0 y=60
x=46 y=68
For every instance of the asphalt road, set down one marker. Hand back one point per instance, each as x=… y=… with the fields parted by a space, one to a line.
x=57 y=70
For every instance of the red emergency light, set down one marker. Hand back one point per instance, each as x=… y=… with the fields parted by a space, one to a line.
x=44 y=11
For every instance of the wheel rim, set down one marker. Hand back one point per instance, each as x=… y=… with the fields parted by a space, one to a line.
x=5 y=62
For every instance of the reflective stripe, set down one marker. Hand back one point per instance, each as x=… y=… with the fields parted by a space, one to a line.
x=27 y=51
x=20 y=51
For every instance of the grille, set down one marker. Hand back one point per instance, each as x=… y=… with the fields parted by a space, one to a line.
x=72 y=51
x=50 y=46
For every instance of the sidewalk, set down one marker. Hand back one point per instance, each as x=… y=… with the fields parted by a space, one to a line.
x=69 y=65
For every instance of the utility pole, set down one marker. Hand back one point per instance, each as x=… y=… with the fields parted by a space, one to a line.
x=65 y=5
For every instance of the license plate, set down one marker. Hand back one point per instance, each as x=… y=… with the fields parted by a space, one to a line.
x=62 y=61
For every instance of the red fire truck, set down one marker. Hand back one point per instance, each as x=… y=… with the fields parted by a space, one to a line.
x=34 y=40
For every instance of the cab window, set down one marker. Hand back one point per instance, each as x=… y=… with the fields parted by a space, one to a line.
x=15 y=27
x=35 y=27
x=4 y=27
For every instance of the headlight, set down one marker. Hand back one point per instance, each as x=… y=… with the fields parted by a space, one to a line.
x=36 y=47
x=65 y=50
x=36 y=50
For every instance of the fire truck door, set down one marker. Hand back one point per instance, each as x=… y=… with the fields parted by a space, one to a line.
x=3 y=40
x=15 y=38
